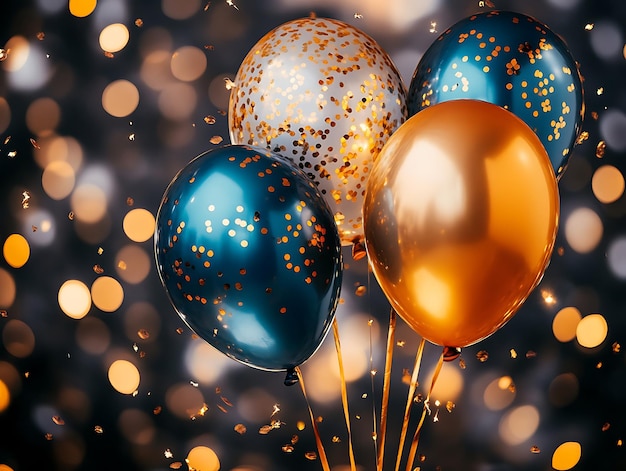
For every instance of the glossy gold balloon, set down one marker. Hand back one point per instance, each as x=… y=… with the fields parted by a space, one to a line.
x=460 y=212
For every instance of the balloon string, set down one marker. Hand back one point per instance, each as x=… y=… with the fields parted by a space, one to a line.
x=386 y=387
x=316 y=432
x=344 y=394
x=426 y=409
x=409 y=401
x=372 y=373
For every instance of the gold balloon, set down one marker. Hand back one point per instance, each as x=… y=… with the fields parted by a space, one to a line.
x=460 y=212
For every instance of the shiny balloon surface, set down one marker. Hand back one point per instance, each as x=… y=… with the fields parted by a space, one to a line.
x=249 y=254
x=460 y=216
x=326 y=95
x=511 y=60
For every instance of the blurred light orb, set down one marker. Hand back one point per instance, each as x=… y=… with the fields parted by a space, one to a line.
x=93 y=336
x=616 y=257
x=132 y=264
x=204 y=362
x=583 y=230
x=41 y=225
x=184 y=401
x=218 y=93
x=202 y=458
x=177 y=101
x=613 y=129
x=82 y=8
x=11 y=378
x=52 y=7
x=43 y=116
x=499 y=394
x=114 y=37
x=5 y=399
x=142 y=322
x=566 y=456
x=16 y=250
x=449 y=383
x=5 y=467
x=19 y=48
x=59 y=148
x=136 y=426
x=592 y=330
x=565 y=323
x=58 y=179
x=253 y=404
x=180 y=9
x=563 y=390
x=124 y=376
x=607 y=184
x=89 y=203
x=606 y=40
x=155 y=69
x=139 y=224
x=5 y=114
x=7 y=289
x=27 y=66
x=564 y=4
x=107 y=293
x=120 y=98
x=74 y=299
x=188 y=63
x=18 y=338
x=519 y=424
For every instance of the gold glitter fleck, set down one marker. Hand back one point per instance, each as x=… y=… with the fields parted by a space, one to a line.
x=589 y=26
x=599 y=365
x=33 y=142
x=462 y=364
x=401 y=343
x=4 y=53
x=157 y=410
x=616 y=347
x=209 y=119
x=450 y=406
x=58 y=420
x=336 y=439
x=98 y=429
x=535 y=449
x=600 y=91
x=98 y=269
x=582 y=137
x=482 y=356
x=606 y=426
x=531 y=354
x=240 y=429
x=176 y=465
x=48 y=436
x=143 y=334
x=288 y=448
x=600 y=149
x=138 y=22
x=216 y=140
x=310 y=455
x=25 y=199
x=513 y=353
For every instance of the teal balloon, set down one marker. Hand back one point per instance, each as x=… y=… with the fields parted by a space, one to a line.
x=511 y=60
x=249 y=255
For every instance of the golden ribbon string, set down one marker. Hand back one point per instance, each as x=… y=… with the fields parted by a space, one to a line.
x=386 y=387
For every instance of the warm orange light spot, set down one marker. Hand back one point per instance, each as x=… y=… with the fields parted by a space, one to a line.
x=16 y=250
x=139 y=225
x=74 y=299
x=566 y=456
x=592 y=330
x=124 y=376
x=82 y=8
x=203 y=458
x=107 y=293
x=5 y=399
x=565 y=323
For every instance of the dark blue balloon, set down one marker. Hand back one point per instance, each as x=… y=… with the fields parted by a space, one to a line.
x=511 y=60
x=249 y=254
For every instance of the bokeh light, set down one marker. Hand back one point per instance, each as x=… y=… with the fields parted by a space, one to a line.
x=26 y=65
x=124 y=376
x=566 y=456
x=180 y=9
x=188 y=63
x=616 y=257
x=177 y=101
x=114 y=37
x=565 y=323
x=136 y=426
x=7 y=289
x=89 y=203
x=59 y=148
x=142 y=322
x=139 y=225
x=18 y=338
x=255 y=404
x=155 y=69
x=203 y=458
x=607 y=40
x=43 y=116
x=16 y=250
x=107 y=293
x=82 y=8
x=74 y=299
x=607 y=184
x=5 y=398
x=184 y=401
x=499 y=394
x=519 y=424
x=592 y=330
x=449 y=384
x=583 y=230
x=58 y=179
x=41 y=225
x=5 y=114
x=93 y=336
x=563 y=390
x=132 y=264
x=120 y=98
x=204 y=362
x=613 y=129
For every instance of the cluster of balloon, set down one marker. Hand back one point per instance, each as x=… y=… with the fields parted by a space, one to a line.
x=249 y=254
x=511 y=60
x=326 y=95
x=460 y=230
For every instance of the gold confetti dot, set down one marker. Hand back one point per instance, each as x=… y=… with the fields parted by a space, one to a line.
x=482 y=356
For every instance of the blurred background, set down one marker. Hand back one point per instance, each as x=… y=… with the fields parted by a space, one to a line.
x=101 y=103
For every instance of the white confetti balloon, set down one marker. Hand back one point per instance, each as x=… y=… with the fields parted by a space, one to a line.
x=326 y=95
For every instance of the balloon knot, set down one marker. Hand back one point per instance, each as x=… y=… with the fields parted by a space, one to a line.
x=451 y=353
x=291 y=377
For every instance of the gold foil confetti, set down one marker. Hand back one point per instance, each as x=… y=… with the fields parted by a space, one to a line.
x=98 y=429
x=12 y=154
x=33 y=142
x=310 y=455
x=207 y=6
x=450 y=406
x=70 y=215
x=226 y=401
x=34 y=228
x=358 y=16
x=421 y=458
x=616 y=347
x=48 y=436
x=179 y=331
x=131 y=137
x=240 y=429
x=216 y=140
x=4 y=53
x=288 y=448
x=336 y=439
x=41 y=35
x=143 y=334
x=606 y=426
x=8 y=138
x=100 y=250
x=25 y=199
x=157 y=410
x=230 y=3
x=531 y=354
x=482 y=356
x=176 y=465
x=4 y=313
x=513 y=353
x=600 y=91
x=582 y=137
x=462 y=364
x=138 y=22
x=294 y=439
x=135 y=347
x=209 y=119
x=589 y=26
x=600 y=149
x=265 y=429
x=401 y=343
x=108 y=54
x=194 y=384
x=58 y=420
x=433 y=27
x=535 y=449
x=361 y=290
x=594 y=115
x=228 y=83
x=598 y=365
x=98 y=269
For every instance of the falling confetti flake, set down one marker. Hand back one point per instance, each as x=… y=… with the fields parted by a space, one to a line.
x=589 y=26
x=209 y=119
x=606 y=426
x=4 y=53
x=535 y=449
x=98 y=429
x=600 y=149
x=232 y=4
x=138 y=22
x=240 y=429
x=582 y=137
x=216 y=140
x=33 y=142
x=482 y=356
x=25 y=199
x=58 y=420
x=358 y=16
x=433 y=27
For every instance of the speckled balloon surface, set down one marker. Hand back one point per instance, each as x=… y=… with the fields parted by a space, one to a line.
x=326 y=95
x=513 y=61
x=249 y=254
